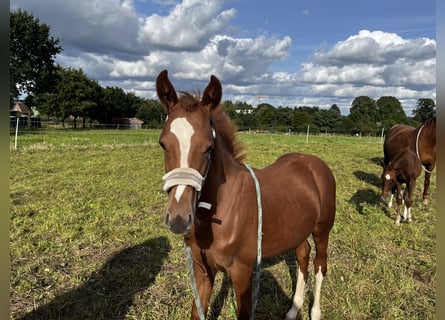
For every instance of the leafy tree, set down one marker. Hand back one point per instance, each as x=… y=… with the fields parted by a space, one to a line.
x=241 y=113
x=151 y=112
x=230 y=110
x=118 y=103
x=309 y=110
x=363 y=114
x=74 y=95
x=301 y=119
x=283 y=118
x=348 y=125
x=132 y=105
x=389 y=111
x=328 y=120
x=265 y=116
x=31 y=55
x=425 y=109
x=113 y=104
x=335 y=109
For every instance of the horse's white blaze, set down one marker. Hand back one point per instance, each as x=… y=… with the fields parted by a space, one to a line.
x=298 y=297
x=179 y=191
x=183 y=131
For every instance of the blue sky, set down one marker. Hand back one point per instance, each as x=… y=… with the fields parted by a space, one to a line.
x=288 y=52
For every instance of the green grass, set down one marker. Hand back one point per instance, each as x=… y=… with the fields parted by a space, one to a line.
x=87 y=238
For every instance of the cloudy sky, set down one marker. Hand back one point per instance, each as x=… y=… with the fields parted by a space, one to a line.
x=285 y=52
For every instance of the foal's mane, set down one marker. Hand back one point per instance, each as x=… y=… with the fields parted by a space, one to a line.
x=225 y=128
x=430 y=121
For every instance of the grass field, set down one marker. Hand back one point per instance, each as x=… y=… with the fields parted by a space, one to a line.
x=87 y=238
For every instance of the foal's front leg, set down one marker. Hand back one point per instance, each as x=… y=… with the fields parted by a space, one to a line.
x=399 y=202
x=205 y=278
x=408 y=197
x=241 y=276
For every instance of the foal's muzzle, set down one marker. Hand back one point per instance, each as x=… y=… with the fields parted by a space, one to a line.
x=182 y=185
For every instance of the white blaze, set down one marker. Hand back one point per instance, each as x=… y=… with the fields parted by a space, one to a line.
x=183 y=131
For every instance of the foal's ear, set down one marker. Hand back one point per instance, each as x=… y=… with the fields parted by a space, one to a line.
x=212 y=94
x=165 y=90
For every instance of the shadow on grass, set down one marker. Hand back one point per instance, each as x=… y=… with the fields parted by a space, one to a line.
x=370 y=178
x=377 y=160
x=362 y=198
x=109 y=292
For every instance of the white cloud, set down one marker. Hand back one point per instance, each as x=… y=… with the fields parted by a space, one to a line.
x=374 y=64
x=189 y=26
x=376 y=47
x=119 y=46
x=106 y=26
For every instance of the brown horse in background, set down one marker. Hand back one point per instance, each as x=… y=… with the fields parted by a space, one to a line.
x=212 y=200
x=421 y=140
x=404 y=168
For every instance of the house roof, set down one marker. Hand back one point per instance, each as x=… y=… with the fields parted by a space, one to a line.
x=127 y=120
x=19 y=106
x=135 y=120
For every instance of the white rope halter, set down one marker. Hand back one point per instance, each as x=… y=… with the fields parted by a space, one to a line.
x=183 y=176
x=417 y=149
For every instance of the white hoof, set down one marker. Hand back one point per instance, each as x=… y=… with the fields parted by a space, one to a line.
x=315 y=314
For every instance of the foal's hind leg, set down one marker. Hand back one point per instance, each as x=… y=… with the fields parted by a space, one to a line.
x=321 y=240
x=302 y=253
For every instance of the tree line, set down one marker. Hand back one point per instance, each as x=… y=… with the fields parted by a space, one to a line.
x=367 y=116
x=60 y=93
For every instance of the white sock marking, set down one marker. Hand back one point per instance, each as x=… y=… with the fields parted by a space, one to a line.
x=405 y=212
x=390 y=201
x=316 y=311
x=298 y=297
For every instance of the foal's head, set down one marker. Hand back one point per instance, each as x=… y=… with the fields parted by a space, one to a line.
x=389 y=180
x=188 y=140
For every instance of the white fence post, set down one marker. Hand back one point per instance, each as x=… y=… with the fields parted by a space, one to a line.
x=16 y=133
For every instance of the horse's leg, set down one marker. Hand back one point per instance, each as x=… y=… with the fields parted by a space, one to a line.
x=426 y=185
x=399 y=202
x=390 y=200
x=393 y=190
x=303 y=254
x=205 y=279
x=321 y=240
x=409 y=192
x=241 y=275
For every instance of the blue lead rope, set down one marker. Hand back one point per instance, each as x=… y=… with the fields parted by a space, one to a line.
x=257 y=271
x=256 y=287
x=188 y=252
